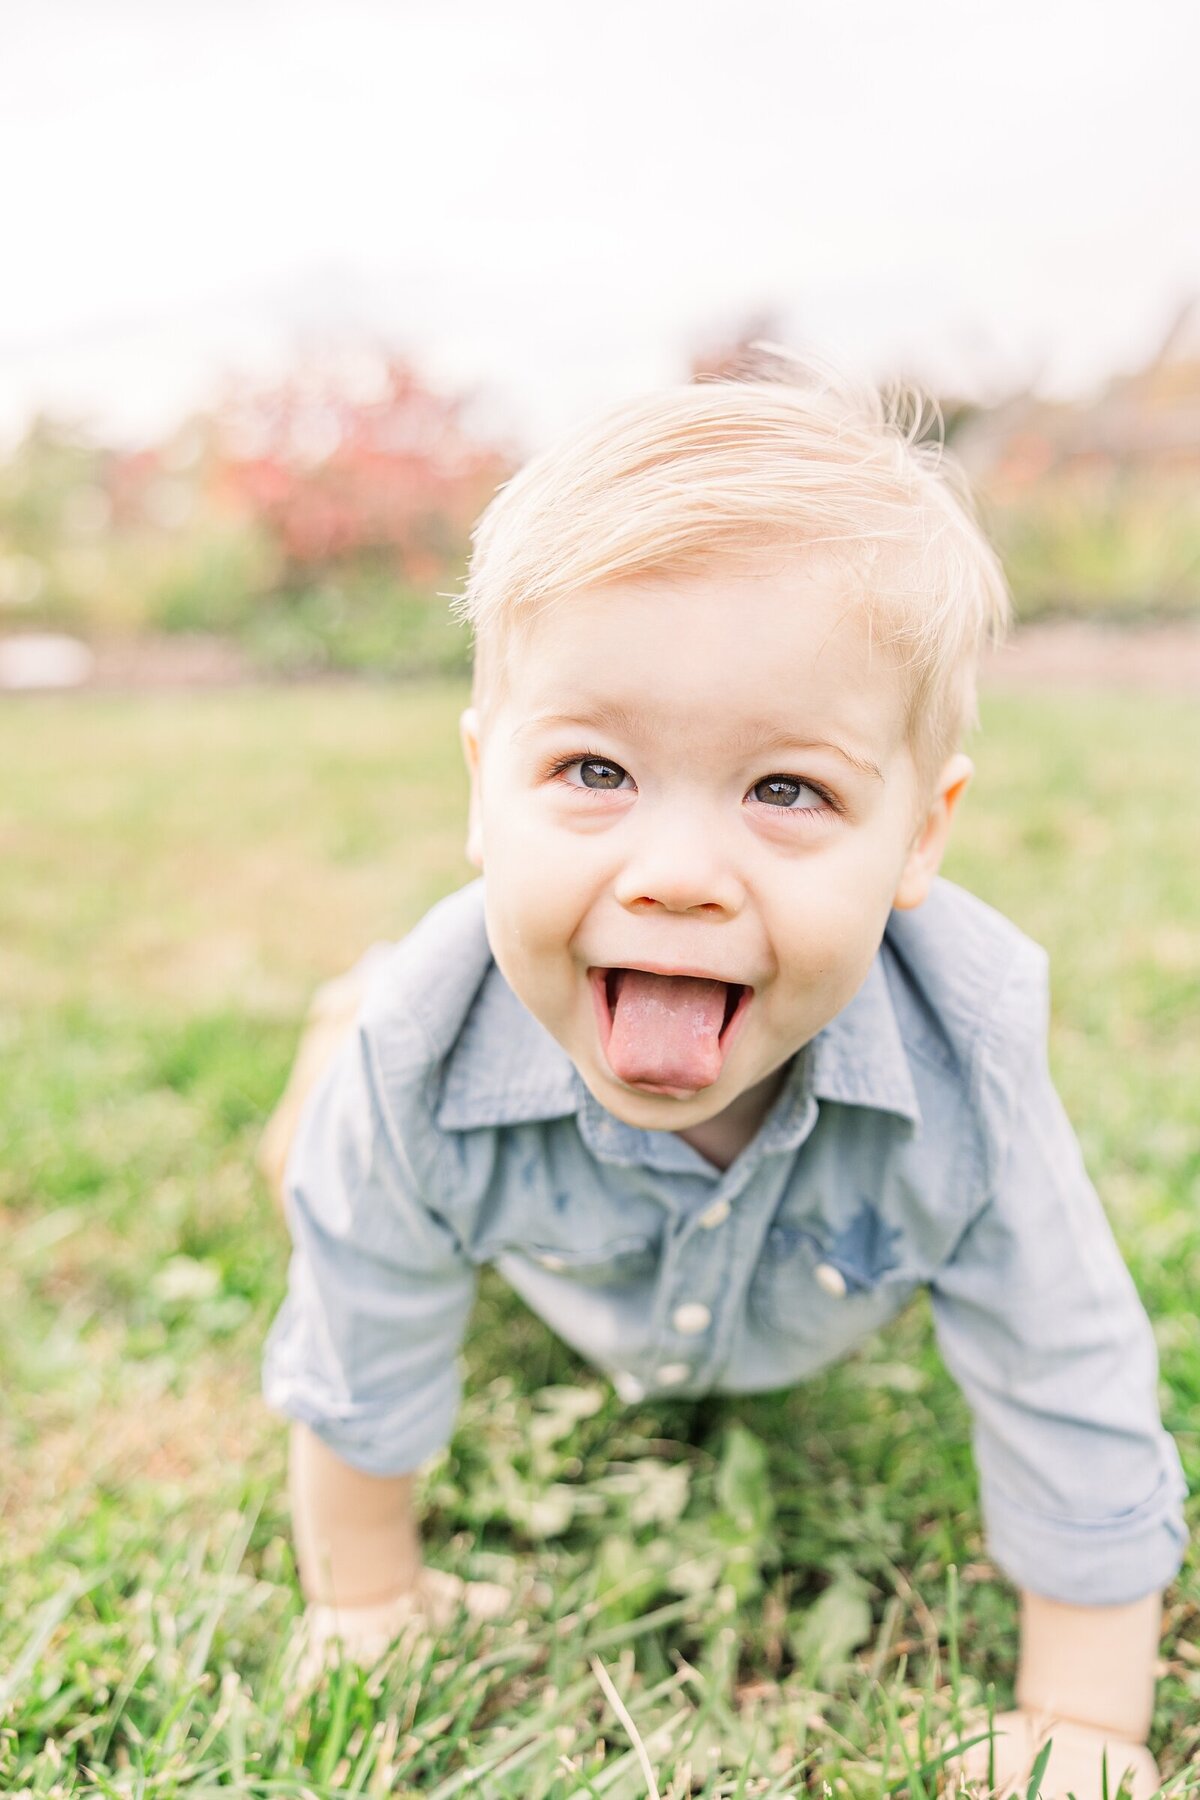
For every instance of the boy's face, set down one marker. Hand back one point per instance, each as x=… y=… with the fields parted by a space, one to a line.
x=686 y=877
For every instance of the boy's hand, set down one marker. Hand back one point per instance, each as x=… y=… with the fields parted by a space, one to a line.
x=1076 y=1759
x=362 y=1634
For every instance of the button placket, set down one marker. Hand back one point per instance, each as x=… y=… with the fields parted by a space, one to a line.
x=719 y=1265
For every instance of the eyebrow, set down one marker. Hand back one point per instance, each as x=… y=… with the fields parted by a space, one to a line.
x=604 y=716
x=624 y=723
x=769 y=742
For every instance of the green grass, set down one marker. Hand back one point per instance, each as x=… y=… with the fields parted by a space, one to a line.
x=769 y=1582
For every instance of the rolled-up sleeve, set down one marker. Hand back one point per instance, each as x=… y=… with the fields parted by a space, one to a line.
x=365 y=1347
x=1039 y=1321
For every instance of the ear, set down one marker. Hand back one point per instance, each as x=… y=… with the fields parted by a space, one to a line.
x=929 y=841
x=468 y=731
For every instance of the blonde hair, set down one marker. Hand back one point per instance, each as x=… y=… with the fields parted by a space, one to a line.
x=786 y=457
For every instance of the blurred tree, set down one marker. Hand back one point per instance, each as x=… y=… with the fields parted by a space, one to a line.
x=54 y=513
x=369 y=465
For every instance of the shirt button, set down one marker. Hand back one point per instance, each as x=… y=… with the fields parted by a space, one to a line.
x=628 y=1388
x=830 y=1280
x=555 y=1264
x=671 y=1374
x=690 y=1319
x=715 y=1215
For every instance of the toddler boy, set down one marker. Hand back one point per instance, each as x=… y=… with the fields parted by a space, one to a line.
x=711 y=1064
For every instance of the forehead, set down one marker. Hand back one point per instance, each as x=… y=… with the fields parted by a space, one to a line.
x=739 y=655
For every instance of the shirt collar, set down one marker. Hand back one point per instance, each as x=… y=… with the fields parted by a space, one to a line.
x=859 y=1059
x=506 y=1069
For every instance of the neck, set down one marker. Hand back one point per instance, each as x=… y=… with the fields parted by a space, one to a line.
x=724 y=1136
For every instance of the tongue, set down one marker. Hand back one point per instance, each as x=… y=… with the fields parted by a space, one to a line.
x=666 y=1030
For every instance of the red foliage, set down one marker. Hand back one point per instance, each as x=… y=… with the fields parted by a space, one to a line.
x=333 y=476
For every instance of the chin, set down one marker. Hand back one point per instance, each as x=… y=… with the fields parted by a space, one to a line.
x=649 y=1109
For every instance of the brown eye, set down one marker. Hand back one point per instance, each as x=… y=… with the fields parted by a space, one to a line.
x=783 y=791
x=777 y=790
x=595 y=772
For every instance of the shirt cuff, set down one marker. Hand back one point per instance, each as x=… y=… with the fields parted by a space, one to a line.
x=376 y=1440
x=1092 y=1562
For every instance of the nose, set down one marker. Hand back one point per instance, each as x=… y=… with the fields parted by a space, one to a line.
x=678 y=865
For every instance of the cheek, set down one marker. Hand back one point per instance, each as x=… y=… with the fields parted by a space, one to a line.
x=514 y=813
x=818 y=945
x=537 y=880
x=827 y=927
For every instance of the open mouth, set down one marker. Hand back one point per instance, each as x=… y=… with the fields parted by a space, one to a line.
x=669 y=1033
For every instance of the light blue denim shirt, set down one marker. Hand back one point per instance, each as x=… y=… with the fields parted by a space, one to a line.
x=917 y=1141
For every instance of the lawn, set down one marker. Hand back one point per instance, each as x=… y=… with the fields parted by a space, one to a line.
x=780 y=1592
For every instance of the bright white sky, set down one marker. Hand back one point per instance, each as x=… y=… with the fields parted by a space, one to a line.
x=557 y=199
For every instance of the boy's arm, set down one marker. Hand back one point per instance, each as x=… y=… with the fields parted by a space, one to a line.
x=364 y=1350
x=1085 y=1690
x=360 y=1561
x=1090 y=1664
x=1081 y=1487
x=328 y=1022
x=356 y=1536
